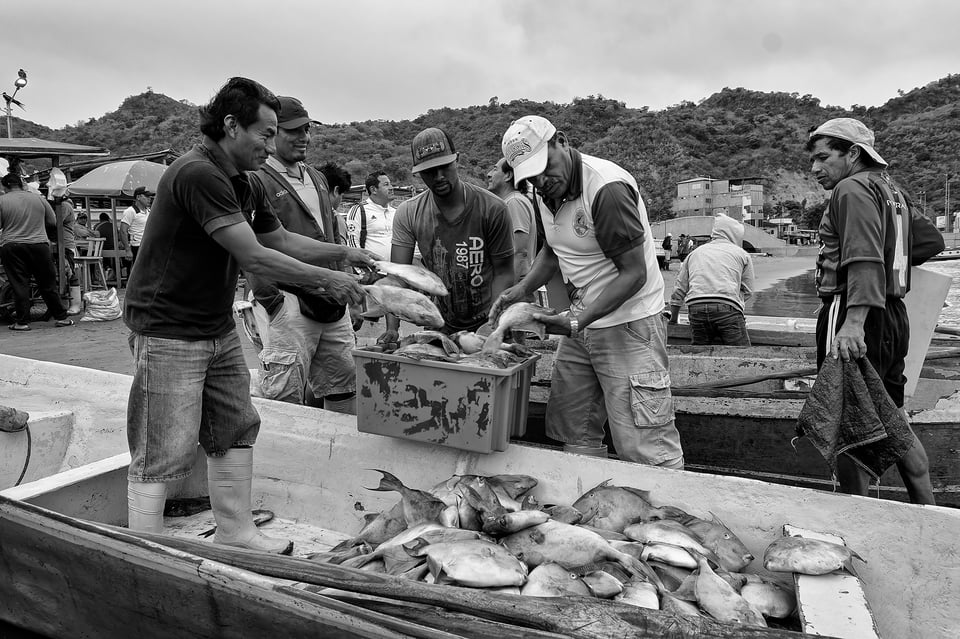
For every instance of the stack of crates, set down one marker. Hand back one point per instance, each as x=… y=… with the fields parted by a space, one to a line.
x=456 y=405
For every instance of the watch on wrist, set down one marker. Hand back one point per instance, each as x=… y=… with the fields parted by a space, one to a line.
x=574 y=326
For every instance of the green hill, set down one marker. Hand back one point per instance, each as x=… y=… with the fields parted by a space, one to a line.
x=733 y=133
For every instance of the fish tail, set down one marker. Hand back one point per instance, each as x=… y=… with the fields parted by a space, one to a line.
x=848 y=566
x=642 y=569
x=388 y=482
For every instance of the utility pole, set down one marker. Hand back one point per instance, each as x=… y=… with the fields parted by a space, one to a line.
x=947 y=221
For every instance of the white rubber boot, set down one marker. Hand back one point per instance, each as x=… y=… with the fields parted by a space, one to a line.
x=145 y=502
x=76 y=302
x=229 y=478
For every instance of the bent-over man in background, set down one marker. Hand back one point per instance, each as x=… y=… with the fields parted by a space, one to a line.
x=612 y=361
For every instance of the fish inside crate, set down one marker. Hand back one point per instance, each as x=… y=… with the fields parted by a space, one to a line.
x=450 y=404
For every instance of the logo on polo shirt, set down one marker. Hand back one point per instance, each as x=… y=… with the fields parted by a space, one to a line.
x=580 y=228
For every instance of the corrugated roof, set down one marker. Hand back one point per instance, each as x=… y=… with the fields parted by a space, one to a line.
x=37 y=148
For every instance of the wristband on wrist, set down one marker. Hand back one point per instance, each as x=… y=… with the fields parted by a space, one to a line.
x=574 y=326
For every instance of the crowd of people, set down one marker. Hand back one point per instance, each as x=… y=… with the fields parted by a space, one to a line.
x=245 y=199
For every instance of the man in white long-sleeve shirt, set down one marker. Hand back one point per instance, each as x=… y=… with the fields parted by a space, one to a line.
x=715 y=281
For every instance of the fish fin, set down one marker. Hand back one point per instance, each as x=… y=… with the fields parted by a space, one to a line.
x=493 y=341
x=854 y=554
x=415 y=545
x=848 y=566
x=642 y=569
x=676 y=514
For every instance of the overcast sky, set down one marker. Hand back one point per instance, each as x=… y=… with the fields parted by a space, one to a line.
x=356 y=60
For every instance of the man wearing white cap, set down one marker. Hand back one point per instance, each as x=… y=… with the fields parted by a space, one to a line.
x=613 y=361
x=868 y=241
x=462 y=231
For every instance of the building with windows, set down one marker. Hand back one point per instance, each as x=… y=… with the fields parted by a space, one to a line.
x=740 y=198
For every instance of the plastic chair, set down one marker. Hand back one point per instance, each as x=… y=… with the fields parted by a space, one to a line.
x=91 y=256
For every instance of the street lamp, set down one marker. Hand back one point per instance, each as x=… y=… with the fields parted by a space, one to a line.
x=10 y=100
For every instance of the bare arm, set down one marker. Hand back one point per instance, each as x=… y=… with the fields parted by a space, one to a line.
x=241 y=242
x=399 y=255
x=311 y=251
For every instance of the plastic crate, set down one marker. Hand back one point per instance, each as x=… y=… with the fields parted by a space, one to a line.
x=455 y=405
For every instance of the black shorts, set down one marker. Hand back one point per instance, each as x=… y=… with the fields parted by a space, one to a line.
x=887 y=335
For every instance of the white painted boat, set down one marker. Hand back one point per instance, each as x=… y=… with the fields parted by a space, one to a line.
x=68 y=575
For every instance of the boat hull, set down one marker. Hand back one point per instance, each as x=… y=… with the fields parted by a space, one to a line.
x=310 y=465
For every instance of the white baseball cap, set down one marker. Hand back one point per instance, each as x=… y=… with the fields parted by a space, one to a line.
x=851 y=130
x=524 y=146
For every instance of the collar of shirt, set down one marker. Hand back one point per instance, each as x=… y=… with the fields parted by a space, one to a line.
x=239 y=180
x=296 y=172
x=575 y=186
x=376 y=207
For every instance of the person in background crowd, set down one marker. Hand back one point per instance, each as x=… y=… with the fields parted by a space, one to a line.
x=463 y=234
x=714 y=282
x=520 y=209
x=191 y=382
x=370 y=223
x=307 y=337
x=25 y=251
x=612 y=361
x=339 y=181
x=134 y=219
x=80 y=229
x=868 y=241
x=684 y=246
x=105 y=230
x=66 y=218
x=667 y=250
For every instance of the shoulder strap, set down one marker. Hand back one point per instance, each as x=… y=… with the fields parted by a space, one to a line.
x=352 y=215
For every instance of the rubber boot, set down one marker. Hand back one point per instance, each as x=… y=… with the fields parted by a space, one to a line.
x=145 y=501
x=76 y=302
x=229 y=479
x=345 y=405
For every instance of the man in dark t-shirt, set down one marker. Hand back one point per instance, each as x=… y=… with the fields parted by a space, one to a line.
x=191 y=382
x=462 y=231
x=863 y=273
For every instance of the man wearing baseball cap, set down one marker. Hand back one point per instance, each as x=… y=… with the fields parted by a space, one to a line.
x=868 y=241
x=307 y=337
x=134 y=220
x=612 y=362
x=463 y=234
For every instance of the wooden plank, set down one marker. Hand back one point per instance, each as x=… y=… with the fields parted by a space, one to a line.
x=146 y=591
x=832 y=604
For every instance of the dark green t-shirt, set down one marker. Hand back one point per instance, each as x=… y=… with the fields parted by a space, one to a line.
x=461 y=252
x=183 y=283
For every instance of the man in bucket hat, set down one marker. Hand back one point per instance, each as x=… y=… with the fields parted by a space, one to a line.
x=612 y=362
x=868 y=241
x=463 y=234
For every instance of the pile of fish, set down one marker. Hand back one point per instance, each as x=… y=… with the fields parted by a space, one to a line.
x=489 y=532
x=463 y=347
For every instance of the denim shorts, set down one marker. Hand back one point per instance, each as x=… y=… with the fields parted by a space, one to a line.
x=619 y=374
x=184 y=392
x=298 y=351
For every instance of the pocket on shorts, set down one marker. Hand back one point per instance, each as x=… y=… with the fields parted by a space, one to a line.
x=651 y=400
x=280 y=374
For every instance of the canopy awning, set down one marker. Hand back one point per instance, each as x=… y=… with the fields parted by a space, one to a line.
x=37 y=148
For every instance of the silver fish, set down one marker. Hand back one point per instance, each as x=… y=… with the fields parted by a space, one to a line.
x=436 y=338
x=416 y=276
x=808 y=556
x=640 y=594
x=615 y=507
x=405 y=303
x=517 y=316
x=418 y=506
x=731 y=552
x=723 y=603
x=468 y=341
x=472 y=563
x=603 y=585
x=771 y=599
x=553 y=580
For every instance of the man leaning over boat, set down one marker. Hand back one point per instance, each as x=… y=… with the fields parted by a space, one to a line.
x=191 y=382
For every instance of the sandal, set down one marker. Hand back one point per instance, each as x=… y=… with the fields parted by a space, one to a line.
x=19 y=327
x=63 y=322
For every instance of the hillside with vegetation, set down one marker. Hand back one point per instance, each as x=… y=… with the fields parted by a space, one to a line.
x=735 y=133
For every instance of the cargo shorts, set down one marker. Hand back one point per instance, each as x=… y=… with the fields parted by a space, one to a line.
x=619 y=374
x=298 y=351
